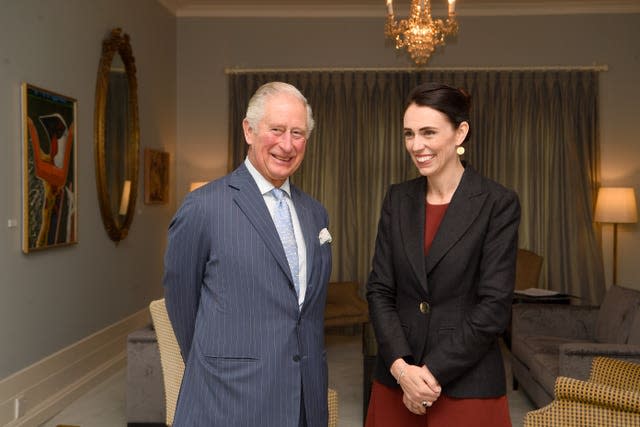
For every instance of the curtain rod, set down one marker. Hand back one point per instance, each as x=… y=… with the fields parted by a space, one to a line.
x=599 y=68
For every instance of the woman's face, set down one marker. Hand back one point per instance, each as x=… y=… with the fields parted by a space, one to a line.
x=431 y=139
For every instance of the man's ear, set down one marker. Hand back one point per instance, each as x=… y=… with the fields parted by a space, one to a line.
x=248 y=131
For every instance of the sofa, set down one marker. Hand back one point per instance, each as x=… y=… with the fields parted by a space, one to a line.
x=551 y=340
x=610 y=398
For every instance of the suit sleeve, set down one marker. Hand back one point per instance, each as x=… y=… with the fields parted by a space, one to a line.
x=381 y=292
x=495 y=281
x=184 y=266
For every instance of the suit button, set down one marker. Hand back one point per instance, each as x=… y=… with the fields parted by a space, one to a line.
x=424 y=307
x=296 y=358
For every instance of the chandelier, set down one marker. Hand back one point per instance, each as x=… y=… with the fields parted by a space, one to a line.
x=420 y=34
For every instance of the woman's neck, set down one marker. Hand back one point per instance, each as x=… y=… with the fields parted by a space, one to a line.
x=441 y=187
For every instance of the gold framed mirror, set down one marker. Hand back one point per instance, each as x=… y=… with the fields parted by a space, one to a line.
x=117 y=135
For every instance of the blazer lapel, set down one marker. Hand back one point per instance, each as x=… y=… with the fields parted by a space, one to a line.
x=251 y=203
x=463 y=209
x=412 y=210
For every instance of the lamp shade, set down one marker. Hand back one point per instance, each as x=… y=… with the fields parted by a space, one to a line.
x=196 y=184
x=616 y=205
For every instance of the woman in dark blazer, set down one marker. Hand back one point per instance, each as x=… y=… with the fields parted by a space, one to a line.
x=442 y=279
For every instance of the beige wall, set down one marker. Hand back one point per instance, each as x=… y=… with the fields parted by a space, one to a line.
x=53 y=298
x=206 y=46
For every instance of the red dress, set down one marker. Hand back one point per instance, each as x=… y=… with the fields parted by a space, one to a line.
x=386 y=408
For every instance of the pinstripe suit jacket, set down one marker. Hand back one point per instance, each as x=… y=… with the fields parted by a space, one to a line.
x=249 y=351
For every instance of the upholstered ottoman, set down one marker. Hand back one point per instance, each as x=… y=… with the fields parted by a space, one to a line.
x=145 y=389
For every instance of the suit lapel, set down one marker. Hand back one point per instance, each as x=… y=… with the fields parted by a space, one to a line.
x=310 y=236
x=464 y=208
x=412 y=208
x=308 y=230
x=251 y=203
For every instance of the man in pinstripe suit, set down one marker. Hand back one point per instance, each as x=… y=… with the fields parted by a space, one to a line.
x=253 y=345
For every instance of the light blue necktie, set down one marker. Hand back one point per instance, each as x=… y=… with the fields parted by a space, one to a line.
x=282 y=219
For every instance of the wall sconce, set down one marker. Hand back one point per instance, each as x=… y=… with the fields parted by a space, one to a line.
x=197 y=184
x=616 y=205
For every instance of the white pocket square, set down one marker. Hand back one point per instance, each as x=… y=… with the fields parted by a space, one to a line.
x=324 y=236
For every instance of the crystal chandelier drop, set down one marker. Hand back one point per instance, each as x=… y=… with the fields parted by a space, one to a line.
x=420 y=34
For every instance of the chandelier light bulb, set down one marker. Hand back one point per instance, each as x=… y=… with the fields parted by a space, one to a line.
x=390 y=7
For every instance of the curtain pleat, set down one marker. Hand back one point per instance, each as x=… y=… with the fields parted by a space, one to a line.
x=533 y=131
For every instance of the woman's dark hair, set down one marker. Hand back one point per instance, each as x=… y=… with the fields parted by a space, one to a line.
x=452 y=102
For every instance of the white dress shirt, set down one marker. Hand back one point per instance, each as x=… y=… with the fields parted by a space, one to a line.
x=265 y=188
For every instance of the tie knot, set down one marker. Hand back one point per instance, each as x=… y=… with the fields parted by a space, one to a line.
x=278 y=194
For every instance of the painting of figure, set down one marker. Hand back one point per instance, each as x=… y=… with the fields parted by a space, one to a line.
x=156 y=176
x=49 y=169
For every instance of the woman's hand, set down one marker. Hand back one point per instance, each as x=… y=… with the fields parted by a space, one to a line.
x=419 y=385
x=416 y=408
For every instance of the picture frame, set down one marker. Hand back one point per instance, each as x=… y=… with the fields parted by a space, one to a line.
x=156 y=177
x=49 y=164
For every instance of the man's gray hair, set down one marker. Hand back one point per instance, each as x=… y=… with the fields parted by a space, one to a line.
x=255 y=110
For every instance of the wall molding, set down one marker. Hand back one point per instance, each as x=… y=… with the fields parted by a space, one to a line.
x=376 y=8
x=40 y=391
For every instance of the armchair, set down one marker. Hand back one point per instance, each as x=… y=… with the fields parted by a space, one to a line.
x=170 y=357
x=173 y=366
x=344 y=306
x=528 y=266
x=611 y=397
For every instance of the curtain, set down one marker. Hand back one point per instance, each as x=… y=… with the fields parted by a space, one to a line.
x=533 y=131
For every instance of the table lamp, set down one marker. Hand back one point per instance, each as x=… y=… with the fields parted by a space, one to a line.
x=197 y=184
x=616 y=205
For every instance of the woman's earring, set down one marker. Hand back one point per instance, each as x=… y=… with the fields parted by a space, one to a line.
x=460 y=150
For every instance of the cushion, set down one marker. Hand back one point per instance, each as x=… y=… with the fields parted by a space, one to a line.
x=528 y=348
x=544 y=369
x=616 y=315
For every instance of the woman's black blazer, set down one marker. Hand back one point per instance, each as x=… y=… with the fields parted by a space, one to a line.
x=447 y=310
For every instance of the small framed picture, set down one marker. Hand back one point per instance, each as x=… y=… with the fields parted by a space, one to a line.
x=49 y=187
x=156 y=177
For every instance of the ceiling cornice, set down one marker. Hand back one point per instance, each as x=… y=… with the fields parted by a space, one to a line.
x=346 y=9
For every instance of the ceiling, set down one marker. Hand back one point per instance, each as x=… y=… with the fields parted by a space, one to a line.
x=376 y=8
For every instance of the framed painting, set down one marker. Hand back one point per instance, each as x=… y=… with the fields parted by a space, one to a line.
x=49 y=186
x=156 y=176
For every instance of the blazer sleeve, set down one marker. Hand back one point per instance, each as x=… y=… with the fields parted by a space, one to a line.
x=381 y=292
x=184 y=265
x=495 y=278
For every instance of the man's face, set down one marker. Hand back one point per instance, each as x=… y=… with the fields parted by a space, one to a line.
x=276 y=147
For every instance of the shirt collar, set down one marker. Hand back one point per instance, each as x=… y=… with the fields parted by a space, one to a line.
x=263 y=184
